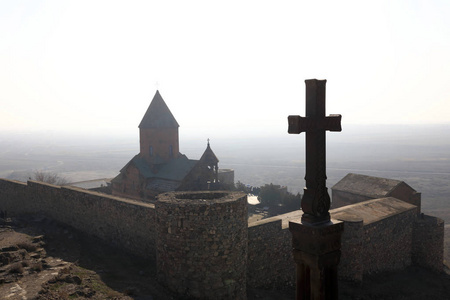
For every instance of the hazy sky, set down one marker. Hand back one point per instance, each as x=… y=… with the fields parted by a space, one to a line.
x=235 y=66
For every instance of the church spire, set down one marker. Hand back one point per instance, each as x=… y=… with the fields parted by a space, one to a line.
x=209 y=156
x=158 y=115
x=158 y=133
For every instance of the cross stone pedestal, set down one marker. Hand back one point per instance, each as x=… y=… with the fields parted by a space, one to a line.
x=316 y=254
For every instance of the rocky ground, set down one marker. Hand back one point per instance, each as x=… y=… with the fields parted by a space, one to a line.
x=42 y=259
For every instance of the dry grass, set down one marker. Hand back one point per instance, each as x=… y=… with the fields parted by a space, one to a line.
x=16 y=268
x=27 y=246
x=37 y=267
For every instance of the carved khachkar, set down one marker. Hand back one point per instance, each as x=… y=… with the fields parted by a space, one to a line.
x=316 y=201
x=316 y=239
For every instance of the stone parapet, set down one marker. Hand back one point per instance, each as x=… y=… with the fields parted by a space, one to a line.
x=269 y=262
x=122 y=222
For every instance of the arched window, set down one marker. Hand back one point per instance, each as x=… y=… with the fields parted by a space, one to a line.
x=151 y=151
x=170 y=151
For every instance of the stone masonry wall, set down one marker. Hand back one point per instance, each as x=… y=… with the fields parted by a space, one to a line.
x=351 y=264
x=121 y=222
x=428 y=243
x=405 y=193
x=14 y=197
x=270 y=262
x=202 y=243
x=387 y=243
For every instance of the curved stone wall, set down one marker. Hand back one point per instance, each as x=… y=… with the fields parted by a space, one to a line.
x=201 y=243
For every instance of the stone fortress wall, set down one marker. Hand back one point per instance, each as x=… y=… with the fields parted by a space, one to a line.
x=392 y=239
x=121 y=222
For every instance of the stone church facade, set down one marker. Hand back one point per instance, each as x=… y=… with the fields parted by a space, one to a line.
x=159 y=166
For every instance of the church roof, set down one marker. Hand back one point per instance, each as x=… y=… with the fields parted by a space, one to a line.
x=209 y=156
x=372 y=211
x=374 y=187
x=158 y=115
x=175 y=169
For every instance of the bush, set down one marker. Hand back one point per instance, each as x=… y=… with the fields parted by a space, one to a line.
x=239 y=186
x=273 y=195
x=50 y=177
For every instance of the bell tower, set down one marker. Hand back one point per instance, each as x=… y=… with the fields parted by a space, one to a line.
x=158 y=133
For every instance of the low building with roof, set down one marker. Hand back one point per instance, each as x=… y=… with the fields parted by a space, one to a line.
x=356 y=188
x=160 y=167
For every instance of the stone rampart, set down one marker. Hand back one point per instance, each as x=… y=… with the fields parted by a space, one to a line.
x=428 y=243
x=121 y=222
x=351 y=266
x=270 y=262
x=379 y=235
x=14 y=196
x=387 y=243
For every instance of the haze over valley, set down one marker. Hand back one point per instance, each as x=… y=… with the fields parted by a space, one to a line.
x=418 y=155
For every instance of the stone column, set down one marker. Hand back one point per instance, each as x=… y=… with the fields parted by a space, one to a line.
x=316 y=254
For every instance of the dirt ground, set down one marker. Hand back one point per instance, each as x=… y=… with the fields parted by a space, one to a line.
x=45 y=260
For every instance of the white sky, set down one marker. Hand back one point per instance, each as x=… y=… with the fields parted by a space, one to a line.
x=234 y=66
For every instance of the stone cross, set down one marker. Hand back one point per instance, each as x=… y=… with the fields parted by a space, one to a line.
x=315 y=201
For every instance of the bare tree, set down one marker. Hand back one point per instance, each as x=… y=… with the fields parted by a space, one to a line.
x=50 y=177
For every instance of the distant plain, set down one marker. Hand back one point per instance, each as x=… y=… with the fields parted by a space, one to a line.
x=418 y=155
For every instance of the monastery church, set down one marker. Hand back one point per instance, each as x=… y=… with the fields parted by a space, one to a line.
x=160 y=167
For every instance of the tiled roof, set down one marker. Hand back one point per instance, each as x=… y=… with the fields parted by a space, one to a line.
x=158 y=115
x=209 y=156
x=373 y=210
x=371 y=186
x=175 y=169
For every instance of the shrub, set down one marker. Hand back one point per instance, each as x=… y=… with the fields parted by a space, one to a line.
x=50 y=177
